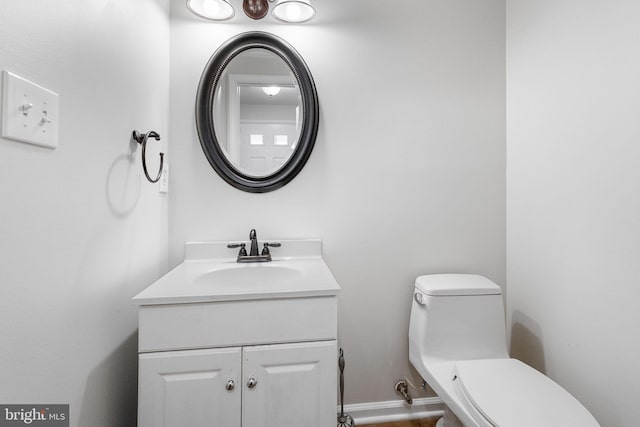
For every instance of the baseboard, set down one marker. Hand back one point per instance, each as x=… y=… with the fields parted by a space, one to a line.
x=394 y=410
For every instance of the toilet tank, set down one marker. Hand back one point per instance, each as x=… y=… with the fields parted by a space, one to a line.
x=457 y=317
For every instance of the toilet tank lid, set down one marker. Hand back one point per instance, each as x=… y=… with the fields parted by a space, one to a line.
x=456 y=284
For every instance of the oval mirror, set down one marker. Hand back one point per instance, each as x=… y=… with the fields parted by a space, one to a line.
x=257 y=112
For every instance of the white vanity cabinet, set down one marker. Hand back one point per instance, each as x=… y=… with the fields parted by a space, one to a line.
x=294 y=385
x=214 y=355
x=253 y=386
x=189 y=388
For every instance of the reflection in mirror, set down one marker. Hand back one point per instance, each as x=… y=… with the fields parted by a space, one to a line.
x=257 y=117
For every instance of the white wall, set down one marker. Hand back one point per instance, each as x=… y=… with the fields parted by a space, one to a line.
x=573 y=225
x=408 y=173
x=81 y=231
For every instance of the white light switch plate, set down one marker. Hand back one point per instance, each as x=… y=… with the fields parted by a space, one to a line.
x=30 y=113
x=164 y=179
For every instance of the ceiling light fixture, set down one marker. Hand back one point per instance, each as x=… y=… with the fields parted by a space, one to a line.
x=215 y=10
x=271 y=90
x=255 y=9
x=290 y=11
x=294 y=11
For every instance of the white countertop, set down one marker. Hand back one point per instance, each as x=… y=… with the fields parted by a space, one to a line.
x=210 y=273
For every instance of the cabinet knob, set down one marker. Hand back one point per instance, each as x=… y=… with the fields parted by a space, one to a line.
x=230 y=385
x=252 y=382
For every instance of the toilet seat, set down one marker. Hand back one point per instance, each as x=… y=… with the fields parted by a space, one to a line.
x=509 y=393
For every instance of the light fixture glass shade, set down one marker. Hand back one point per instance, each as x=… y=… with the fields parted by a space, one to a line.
x=215 y=10
x=294 y=10
x=271 y=90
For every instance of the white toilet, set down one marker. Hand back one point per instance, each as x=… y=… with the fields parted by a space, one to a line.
x=457 y=342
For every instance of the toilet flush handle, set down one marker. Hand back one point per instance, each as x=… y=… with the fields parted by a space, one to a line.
x=419 y=298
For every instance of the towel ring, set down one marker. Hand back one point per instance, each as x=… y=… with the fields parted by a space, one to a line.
x=141 y=138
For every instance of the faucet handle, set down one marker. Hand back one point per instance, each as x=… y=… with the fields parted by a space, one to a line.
x=242 y=246
x=265 y=249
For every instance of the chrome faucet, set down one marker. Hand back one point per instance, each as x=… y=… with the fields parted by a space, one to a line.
x=253 y=256
x=254 y=243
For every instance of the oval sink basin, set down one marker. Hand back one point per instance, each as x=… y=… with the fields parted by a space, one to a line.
x=249 y=274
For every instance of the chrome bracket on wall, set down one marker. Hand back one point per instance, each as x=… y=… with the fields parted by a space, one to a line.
x=141 y=138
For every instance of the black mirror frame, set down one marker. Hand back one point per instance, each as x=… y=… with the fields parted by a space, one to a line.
x=204 y=112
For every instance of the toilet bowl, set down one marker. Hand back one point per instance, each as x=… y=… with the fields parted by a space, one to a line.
x=457 y=342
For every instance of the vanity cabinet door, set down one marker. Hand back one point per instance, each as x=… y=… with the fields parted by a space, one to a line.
x=290 y=384
x=195 y=388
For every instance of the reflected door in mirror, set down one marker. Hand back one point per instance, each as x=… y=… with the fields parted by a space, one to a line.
x=261 y=118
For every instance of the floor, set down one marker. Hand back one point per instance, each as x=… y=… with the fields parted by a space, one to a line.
x=413 y=423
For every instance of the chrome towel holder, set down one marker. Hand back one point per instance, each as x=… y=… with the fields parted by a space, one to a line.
x=141 y=138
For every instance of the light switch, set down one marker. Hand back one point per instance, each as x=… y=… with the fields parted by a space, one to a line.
x=164 y=179
x=30 y=113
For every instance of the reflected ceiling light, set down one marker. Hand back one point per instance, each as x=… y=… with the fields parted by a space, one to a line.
x=215 y=10
x=271 y=90
x=294 y=11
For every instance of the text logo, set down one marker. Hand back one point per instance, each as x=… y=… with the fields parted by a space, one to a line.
x=34 y=415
